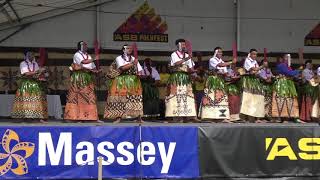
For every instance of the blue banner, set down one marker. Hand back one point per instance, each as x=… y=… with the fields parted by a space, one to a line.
x=59 y=152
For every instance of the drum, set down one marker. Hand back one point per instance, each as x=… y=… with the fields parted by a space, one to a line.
x=180 y=68
x=314 y=81
x=113 y=71
x=241 y=71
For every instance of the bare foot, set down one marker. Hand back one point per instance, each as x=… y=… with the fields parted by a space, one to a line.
x=43 y=121
x=261 y=121
x=118 y=120
x=226 y=121
x=275 y=121
x=300 y=121
x=196 y=120
x=139 y=120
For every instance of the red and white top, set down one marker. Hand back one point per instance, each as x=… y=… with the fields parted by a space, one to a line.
x=28 y=66
x=177 y=56
x=213 y=65
x=124 y=60
x=154 y=74
x=250 y=63
x=80 y=56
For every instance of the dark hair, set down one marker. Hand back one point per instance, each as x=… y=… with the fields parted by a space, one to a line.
x=262 y=61
x=179 y=41
x=308 y=61
x=124 y=46
x=251 y=50
x=216 y=48
x=79 y=45
x=26 y=51
x=284 y=55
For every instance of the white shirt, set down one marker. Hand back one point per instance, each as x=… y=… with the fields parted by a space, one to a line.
x=121 y=62
x=307 y=74
x=250 y=63
x=177 y=56
x=27 y=66
x=318 y=71
x=80 y=56
x=213 y=65
x=155 y=75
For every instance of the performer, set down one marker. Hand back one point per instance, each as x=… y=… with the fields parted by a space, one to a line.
x=234 y=92
x=180 y=102
x=310 y=94
x=252 y=103
x=164 y=76
x=30 y=101
x=124 y=99
x=150 y=95
x=199 y=80
x=266 y=78
x=215 y=104
x=81 y=100
x=284 y=96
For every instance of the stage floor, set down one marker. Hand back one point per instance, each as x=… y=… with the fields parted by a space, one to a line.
x=54 y=122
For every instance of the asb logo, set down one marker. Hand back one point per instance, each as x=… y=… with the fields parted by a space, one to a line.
x=144 y=25
x=308 y=149
x=313 y=37
x=14 y=154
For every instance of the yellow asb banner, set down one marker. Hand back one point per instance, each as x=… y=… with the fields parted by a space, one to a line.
x=309 y=149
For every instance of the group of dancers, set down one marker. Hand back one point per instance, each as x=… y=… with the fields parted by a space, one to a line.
x=250 y=93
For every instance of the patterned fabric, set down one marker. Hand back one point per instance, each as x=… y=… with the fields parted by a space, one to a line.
x=306 y=108
x=268 y=105
x=124 y=99
x=268 y=99
x=180 y=100
x=215 y=104
x=81 y=99
x=30 y=101
x=9 y=78
x=309 y=108
x=234 y=98
x=284 y=106
x=150 y=99
x=252 y=105
x=284 y=99
x=253 y=99
x=163 y=89
x=315 y=112
x=59 y=78
x=234 y=106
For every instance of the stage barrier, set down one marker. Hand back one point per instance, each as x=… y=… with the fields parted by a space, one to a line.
x=213 y=151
